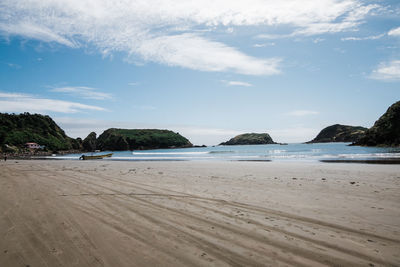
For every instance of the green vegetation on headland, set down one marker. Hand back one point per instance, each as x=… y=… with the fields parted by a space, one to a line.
x=17 y=130
x=133 y=139
x=386 y=130
x=250 y=139
x=339 y=133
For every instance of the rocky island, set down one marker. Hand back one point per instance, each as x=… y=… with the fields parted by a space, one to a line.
x=250 y=139
x=339 y=133
x=386 y=130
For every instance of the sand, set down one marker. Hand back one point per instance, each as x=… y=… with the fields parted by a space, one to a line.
x=107 y=213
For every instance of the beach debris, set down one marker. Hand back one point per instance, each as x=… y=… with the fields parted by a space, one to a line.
x=352 y=182
x=294 y=178
x=323 y=179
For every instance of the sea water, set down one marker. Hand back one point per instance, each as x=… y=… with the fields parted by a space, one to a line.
x=276 y=152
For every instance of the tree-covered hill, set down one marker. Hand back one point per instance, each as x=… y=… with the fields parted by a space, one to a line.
x=386 y=130
x=132 y=139
x=16 y=130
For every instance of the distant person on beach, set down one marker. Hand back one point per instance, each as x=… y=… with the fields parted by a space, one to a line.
x=5 y=157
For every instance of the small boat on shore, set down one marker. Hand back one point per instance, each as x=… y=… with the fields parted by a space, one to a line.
x=85 y=157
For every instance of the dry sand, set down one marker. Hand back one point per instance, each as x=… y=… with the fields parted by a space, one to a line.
x=102 y=213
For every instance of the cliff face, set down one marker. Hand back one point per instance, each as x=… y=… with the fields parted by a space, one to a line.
x=386 y=130
x=16 y=130
x=132 y=139
x=339 y=133
x=250 y=139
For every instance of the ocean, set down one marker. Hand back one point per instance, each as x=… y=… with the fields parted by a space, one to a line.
x=290 y=152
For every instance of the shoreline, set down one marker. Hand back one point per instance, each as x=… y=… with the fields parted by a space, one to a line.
x=391 y=161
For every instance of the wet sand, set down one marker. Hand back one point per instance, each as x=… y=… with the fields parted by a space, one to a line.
x=103 y=213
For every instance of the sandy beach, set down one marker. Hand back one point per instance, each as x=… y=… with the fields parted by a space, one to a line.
x=108 y=213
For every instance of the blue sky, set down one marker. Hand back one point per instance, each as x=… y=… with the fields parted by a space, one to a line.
x=207 y=69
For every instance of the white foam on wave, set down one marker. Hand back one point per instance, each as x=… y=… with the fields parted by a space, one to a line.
x=158 y=158
x=169 y=153
x=276 y=151
x=370 y=155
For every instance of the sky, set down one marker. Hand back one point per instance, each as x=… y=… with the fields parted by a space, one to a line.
x=209 y=69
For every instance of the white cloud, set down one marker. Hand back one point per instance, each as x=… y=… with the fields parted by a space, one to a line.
x=82 y=91
x=263 y=45
x=318 y=40
x=194 y=52
x=236 y=83
x=300 y=113
x=175 y=32
x=394 y=32
x=134 y=83
x=13 y=65
x=372 y=37
x=38 y=32
x=14 y=102
x=387 y=71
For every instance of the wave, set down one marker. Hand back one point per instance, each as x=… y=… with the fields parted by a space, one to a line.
x=220 y=152
x=370 y=155
x=169 y=153
x=276 y=151
x=158 y=158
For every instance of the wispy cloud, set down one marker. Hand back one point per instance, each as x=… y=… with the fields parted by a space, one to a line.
x=263 y=45
x=394 y=32
x=236 y=83
x=318 y=40
x=175 y=32
x=387 y=71
x=83 y=92
x=15 y=102
x=13 y=65
x=134 y=84
x=372 y=37
x=300 y=113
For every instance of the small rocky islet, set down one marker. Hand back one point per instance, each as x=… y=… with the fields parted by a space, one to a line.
x=250 y=139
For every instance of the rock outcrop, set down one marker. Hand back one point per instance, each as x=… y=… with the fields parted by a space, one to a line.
x=386 y=130
x=250 y=139
x=339 y=133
